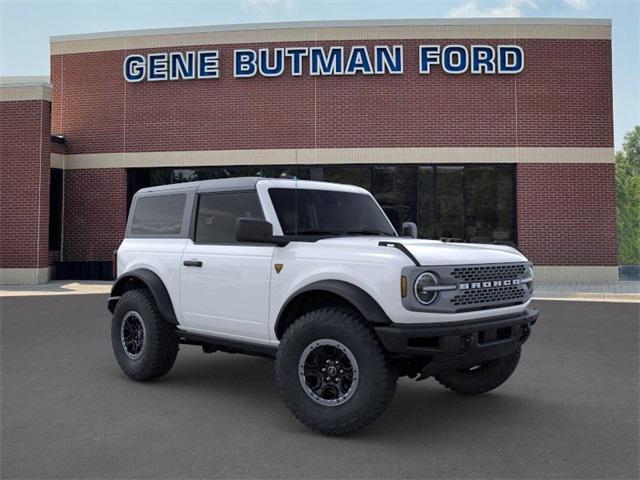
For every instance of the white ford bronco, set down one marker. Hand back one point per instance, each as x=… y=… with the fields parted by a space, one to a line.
x=314 y=275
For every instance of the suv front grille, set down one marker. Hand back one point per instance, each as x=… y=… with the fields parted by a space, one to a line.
x=466 y=288
x=512 y=294
x=481 y=273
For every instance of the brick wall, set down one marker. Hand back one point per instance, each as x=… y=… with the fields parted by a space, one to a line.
x=562 y=98
x=567 y=213
x=24 y=183
x=94 y=213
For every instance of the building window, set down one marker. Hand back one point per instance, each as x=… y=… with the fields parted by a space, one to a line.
x=395 y=189
x=55 y=209
x=473 y=203
x=470 y=203
x=138 y=178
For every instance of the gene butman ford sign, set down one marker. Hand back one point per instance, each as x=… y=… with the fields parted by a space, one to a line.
x=326 y=61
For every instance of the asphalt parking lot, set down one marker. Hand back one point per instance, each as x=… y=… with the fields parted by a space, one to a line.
x=570 y=411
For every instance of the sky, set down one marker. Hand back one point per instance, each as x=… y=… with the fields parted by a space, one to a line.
x=25 y=26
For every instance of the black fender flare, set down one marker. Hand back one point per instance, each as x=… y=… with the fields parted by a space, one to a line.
x=153 y=283
x=361 y=300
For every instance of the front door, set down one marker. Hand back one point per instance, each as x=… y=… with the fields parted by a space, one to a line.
x=225 y=284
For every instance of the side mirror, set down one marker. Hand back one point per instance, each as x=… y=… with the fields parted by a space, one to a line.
x=256 y=230
x=253 y=230
x=409 y=229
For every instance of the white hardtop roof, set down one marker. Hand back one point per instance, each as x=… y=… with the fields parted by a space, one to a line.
x=249 y=183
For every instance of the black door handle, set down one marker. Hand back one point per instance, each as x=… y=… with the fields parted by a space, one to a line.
x=192 y=263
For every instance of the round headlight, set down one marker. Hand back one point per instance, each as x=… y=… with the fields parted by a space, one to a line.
x=421 y=288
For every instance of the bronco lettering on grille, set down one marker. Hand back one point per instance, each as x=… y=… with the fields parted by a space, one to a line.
x=494 y=283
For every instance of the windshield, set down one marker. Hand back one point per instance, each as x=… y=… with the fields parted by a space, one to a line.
x=326 y=212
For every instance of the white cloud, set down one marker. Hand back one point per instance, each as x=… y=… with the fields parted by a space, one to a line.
x=578 y=4
x=508 y=8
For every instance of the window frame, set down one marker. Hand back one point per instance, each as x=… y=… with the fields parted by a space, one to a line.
x=196 y=208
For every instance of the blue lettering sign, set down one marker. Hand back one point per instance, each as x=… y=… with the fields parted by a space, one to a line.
x=296 y=55
x=385 y=61
x=271 y=69
x=510 y=59
x=158 y=67
x=359 y=61
x=244 y=63
x=330 y=64
x=455 y=59
x=429 y=55
x=326 y=61
x=208 y=64
x=483 y=59
x=182 y=65
x=133 y=68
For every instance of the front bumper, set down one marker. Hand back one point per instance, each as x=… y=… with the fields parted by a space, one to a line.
x=446 y=346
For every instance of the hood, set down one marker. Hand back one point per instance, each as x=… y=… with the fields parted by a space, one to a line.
x=435 y=252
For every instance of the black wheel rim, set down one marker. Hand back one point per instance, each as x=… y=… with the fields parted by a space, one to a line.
x=132 y=335
x=328 y=372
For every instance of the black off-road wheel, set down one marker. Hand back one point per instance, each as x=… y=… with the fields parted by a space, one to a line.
x=144 y=345
x=481 y=378
x=332 y=372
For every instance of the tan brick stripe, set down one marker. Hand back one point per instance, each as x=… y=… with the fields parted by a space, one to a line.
x=26 y=93
x=328 y=156
x=330 y=31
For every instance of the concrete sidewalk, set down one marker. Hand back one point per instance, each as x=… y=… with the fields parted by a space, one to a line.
x=57 y=287
x=593 y=292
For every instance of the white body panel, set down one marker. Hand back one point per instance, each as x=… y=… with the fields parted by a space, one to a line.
x=229 y=294
x=160 y=255
x=238 y=294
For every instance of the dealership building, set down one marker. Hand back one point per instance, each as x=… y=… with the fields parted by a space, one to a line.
x=483 y=130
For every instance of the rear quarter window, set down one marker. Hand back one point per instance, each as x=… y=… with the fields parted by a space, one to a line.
x=158 y=215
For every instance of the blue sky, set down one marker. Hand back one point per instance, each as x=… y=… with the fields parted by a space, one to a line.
x=25 y=26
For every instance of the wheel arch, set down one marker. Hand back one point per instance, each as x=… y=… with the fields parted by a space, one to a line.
x=144 y=278
x=325 y=293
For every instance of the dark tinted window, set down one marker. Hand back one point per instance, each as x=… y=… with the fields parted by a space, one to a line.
x=218 y=212
x=159 y=215
x=55 y=209
x=394 y=187
x=321 y=212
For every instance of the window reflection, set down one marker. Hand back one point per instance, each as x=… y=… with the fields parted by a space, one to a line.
x=473 y=203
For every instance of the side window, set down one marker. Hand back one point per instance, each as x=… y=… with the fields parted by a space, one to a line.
x=218 y=212
x=158 y=215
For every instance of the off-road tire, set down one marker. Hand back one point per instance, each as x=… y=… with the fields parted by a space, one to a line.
x=160 y=346
x=377 y=376
x=481 y=380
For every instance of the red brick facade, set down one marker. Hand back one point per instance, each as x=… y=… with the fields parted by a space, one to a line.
x=566 y=214
x=95 y=213
x=563 y=98
x=24 y=183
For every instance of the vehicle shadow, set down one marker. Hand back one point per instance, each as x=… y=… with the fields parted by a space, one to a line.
x=419 y=410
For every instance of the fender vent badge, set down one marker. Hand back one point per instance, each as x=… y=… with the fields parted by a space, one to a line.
x=278 y=267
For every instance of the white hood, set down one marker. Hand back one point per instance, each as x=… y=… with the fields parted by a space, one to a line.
x=435 y=252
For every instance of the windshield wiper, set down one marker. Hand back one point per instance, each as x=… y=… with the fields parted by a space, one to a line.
x=370 y=232
x=318 y=231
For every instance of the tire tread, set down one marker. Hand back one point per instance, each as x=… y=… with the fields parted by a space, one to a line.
x=360 y=332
